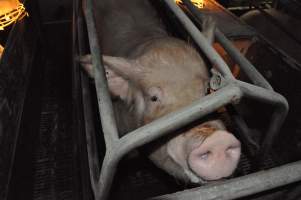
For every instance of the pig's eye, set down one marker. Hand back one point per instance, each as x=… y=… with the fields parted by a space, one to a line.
x=154 y=98
x=154 y=94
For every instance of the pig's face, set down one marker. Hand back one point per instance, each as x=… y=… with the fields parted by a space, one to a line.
x=172 y=77
x=169 y=76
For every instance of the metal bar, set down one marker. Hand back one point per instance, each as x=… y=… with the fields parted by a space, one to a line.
x=104 y=100
x=94 y=169
x=262 y=94
x=245 y=65
x=242 y=186
x=199 y=38
x=159 y=128
x=109 y=167
x=278 y=115
x=244 y=133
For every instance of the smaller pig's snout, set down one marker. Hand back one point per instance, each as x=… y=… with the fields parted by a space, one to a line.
x=216 y=157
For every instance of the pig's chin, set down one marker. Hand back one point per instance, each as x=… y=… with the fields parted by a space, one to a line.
x=193 y=178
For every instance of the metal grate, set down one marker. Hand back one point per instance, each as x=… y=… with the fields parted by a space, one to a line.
x=53 y=158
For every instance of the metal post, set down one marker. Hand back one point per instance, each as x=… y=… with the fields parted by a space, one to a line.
x=104 y=100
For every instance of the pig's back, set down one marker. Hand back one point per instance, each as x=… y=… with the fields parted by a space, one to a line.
x=123 y=25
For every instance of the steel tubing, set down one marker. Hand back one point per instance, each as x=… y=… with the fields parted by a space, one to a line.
x=106 y=111
x=200 y=39
x=242 y=186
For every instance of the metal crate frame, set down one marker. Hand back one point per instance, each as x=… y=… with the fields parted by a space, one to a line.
x=230 y=91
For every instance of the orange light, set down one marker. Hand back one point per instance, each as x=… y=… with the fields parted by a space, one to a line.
x=197 y=3
x=10 y=12
x=1 y=50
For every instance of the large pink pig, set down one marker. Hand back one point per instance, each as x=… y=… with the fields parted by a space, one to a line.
x=153 y=74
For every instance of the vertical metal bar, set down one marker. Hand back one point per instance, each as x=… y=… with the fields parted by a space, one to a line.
x=199 y=38
x=242 y=186
x=244 y=133
x=245 y=65
x=94 y=169
x=108 y=169
x=104 y=100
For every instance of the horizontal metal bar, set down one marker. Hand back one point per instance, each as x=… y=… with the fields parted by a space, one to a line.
x=104 y=100
x=242 y=186
x=234 y=53
x=200 y=39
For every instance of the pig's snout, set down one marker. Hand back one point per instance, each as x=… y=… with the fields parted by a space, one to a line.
x=216 y=157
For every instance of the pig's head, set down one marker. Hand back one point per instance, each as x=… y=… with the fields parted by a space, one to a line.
x=169 y=75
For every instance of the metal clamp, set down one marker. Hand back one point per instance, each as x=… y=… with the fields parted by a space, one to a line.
x=217 y=81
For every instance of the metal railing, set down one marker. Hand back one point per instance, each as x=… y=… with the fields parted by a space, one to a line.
x=230 y=91
x=241 y=186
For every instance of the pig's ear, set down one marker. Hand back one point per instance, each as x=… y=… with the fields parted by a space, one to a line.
x=208 y=27
x=126 y=68
x=120 y=72
x=86 y=63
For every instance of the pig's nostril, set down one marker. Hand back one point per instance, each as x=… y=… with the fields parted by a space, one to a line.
x=204 y=156
x=232 y=151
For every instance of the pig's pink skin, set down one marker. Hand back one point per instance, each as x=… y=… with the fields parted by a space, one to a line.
x=154 y=74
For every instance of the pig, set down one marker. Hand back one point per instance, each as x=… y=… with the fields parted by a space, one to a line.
x=151 y=74
x=269 y=30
